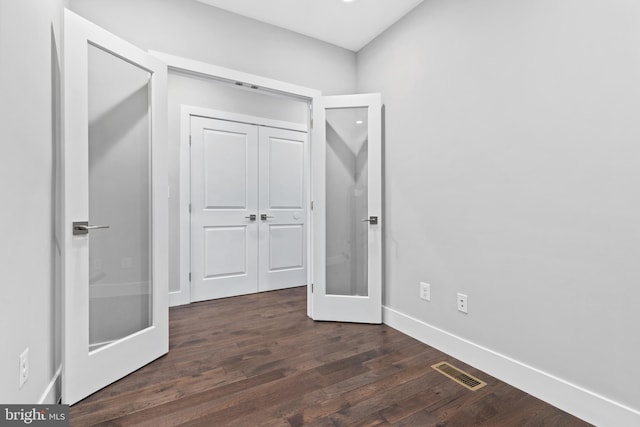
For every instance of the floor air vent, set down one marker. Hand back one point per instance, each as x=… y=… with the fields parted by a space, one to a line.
x=470 y=382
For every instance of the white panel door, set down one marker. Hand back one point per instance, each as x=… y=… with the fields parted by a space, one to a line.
x=347 y=215
x=283 y=230
x=115 y=247
x=224 y=208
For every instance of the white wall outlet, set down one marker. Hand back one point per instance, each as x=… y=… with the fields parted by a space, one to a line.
x=24 y=366
x=462 y=303
x=425 y=291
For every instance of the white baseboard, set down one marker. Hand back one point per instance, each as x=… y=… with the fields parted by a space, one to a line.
x=178 y=298
x=52 y=393
x=582 y=403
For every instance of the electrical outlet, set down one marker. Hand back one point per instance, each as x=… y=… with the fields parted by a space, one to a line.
x=462 y=303
x=24 y=366
x=425 y=291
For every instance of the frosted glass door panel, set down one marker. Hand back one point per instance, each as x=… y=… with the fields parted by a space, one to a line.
x=347 y=201
x=120 y=276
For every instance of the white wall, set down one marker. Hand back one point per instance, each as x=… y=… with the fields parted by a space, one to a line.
x=512 y=147
x=29 y=127
x=194 y=30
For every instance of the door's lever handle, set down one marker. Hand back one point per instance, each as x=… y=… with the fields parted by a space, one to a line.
x=371 y=220
x=264 y=217
x=83 y=227
x=251 y=217
x=94 y=227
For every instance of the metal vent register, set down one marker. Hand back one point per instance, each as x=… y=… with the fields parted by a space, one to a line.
x=461 y=377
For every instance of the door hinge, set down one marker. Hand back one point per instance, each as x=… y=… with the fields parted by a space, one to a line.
x=312 y=205
x=312 y=288
x=189 y=139
x=189 y=207
x=189 y=276
x=311 y=123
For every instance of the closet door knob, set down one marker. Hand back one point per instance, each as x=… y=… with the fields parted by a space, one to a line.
x=264 y=217
x=251 y=217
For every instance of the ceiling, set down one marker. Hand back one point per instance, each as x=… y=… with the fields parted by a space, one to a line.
x=346 y=24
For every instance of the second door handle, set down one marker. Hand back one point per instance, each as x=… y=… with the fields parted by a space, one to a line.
x=264 y=217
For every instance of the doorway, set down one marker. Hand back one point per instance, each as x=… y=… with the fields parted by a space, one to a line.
x=362 y=303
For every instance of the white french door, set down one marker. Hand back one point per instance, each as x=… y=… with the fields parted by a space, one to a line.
x=248 y=214
x=347 y=196
x=115 y=249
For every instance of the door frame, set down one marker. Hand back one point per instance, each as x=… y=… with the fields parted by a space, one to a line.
x=277 y=87
x=183 y=296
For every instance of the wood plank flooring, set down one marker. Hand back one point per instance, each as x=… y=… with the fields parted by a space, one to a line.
x=257 y=360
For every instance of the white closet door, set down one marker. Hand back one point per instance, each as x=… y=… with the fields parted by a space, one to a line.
x=224 y=208
x=283 y=227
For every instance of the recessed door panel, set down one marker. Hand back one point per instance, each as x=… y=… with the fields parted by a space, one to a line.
x=224 y=208
x=225 y=169
x=225 y=251
x=286 y=247
x=286 y=173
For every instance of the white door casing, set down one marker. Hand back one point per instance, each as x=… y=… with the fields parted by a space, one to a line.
x=354 y=305
x=224 y=196
x=87 y=369
x=248 y=206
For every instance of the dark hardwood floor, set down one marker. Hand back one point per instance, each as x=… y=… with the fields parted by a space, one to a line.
x=257 y=360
